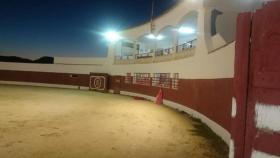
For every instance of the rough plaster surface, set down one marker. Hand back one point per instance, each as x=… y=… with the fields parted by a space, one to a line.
x=267 y=117
x=40 y=122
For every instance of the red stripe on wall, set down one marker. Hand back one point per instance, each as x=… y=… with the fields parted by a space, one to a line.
x=45 y=77
x=210 y=97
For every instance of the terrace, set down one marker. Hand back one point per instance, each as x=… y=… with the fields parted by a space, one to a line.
x=169 y=43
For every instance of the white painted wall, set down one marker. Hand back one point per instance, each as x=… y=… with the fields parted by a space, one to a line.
x=259 y=154
x=267 y=117
x=219 y=64
x=171 y=18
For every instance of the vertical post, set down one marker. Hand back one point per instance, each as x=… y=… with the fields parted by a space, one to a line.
x=175 y=43
x=121 y=46
x=155 y=49
x=135 y=51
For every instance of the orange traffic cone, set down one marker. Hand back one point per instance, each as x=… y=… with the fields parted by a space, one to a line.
x=159 y=97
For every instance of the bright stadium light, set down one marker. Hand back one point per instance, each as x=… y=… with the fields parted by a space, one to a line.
x=160 y=37
x=112 y=36
x=153 y=37
x=186 y=30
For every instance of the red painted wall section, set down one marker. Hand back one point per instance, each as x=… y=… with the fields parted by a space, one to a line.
x=45 y=77
x=268 y=143
x=210 y=97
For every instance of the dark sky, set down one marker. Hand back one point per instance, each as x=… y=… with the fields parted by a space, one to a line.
x=67 y=27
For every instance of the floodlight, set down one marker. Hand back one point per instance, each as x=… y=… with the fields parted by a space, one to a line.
x=152 y=36
x=160 y=37
x=186 y=30
x=112 y=36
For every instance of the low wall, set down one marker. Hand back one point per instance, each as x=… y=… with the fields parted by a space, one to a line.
x=45 y=77
x=207 y=99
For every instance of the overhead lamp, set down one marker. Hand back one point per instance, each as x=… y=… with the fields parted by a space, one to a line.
x=153 y=37
x=186 y=30
x=160 y=37
x=112 y=36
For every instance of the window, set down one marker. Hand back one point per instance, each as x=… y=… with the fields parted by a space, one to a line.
x=127 y=50
x=128 y=78
x=161 y=80
x=142 y=79
x=175 y=81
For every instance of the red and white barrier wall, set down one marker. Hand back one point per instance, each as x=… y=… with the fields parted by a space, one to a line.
x=205 y=94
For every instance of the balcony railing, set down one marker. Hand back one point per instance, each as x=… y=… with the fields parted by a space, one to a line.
x=160 y=55
x=144 y=55
x=185 y=46
x=164 y=52
x=124 y=57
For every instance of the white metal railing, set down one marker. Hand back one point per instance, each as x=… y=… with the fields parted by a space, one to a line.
x=160 y=52
x=164 y=52
x=186 y=46
x=124 y=57
x=144 y=55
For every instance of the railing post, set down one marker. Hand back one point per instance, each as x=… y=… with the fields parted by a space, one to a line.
x=154 y=56
x=135 y=49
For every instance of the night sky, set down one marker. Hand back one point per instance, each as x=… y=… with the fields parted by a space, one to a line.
x=34 y=28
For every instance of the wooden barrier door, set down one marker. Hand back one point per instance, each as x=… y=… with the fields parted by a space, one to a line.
x=116 y=84
x=241 y=75
x=256 y=116
x=263 y=106
x=98 y=82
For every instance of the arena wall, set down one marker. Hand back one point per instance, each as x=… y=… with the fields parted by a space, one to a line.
x=205 y=87
x=205 y=79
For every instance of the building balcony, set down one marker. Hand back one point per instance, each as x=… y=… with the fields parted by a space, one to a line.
x=182 y=51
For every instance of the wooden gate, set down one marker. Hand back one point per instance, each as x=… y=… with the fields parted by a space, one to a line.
x=98 y=82
x=256 y=114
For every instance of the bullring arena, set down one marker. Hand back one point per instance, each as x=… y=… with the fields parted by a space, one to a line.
x=212 y=65
x=46 y=122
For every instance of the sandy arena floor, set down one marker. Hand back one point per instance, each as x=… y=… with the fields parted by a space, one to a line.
x=58 y=123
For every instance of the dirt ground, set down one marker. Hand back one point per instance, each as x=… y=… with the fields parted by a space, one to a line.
x=59 y=123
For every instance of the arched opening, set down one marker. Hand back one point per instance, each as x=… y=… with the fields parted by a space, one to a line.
x=165 y=44
x=146 y=45
x=125 y=49
x=187 y=31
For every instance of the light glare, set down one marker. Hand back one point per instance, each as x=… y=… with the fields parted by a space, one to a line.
x=152 y=36
x=112 y=36
x=159 y=37
x=186 y=30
